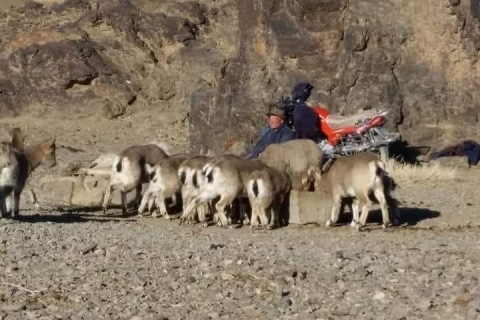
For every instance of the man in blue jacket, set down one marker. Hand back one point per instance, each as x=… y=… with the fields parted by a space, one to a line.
x=276 y=132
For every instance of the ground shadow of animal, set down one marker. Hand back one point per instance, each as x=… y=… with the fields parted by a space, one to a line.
x=410 y=216
x=65 y=218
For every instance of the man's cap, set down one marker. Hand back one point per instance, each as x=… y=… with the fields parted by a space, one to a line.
x=276 y=112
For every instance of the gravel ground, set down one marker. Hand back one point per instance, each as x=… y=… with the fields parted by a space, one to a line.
x=83 y=265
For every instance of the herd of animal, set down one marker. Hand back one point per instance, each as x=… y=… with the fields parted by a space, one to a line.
x=211 y=188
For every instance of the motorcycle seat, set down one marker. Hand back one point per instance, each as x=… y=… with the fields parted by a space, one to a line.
x=340 y=122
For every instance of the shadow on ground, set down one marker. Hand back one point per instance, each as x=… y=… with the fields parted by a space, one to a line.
x=411 y=216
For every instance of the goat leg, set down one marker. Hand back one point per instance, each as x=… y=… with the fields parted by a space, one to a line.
x=263 y=217
x=124 y=203
x=16 y=203
x=107 y=197
x=220 y=206
x=355 y=208
x=190 y=207
x=254 y=218
x=383 y=206
x=9 y=203
x=160 y=202
x=138 y=195
x=145 y=199
x=364 y=216
x=337 y=202
x=33 y=199
x=151 y=202
x=3 y=205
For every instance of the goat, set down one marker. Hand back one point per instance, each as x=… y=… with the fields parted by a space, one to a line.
x=128 y=171
x=266 y=190
x=26 y=161
x=295 y=157
x=101 y=166
x=164 y=183
x=363 y=177
x=223 y=177
x=190 y=176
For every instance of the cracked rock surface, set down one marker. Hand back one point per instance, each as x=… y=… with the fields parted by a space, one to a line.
x=219 y=63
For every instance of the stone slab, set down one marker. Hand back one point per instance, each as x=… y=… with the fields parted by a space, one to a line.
x=75 y=192
x=309 y=207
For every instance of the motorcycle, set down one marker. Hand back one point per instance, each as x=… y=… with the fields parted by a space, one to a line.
x=348 y=135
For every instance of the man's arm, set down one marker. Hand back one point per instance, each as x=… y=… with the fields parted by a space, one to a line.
x=260 y=146
x=287 y=135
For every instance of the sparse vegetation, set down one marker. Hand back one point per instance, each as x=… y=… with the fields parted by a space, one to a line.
x=428 y=172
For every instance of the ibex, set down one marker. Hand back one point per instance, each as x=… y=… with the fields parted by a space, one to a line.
x=267 y=189
x=295 y=157
x=128 y=172
x=363 y=178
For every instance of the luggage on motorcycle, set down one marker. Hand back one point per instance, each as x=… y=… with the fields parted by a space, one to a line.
x=339 y=122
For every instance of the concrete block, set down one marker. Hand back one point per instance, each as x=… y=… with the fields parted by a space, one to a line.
x=309 y=207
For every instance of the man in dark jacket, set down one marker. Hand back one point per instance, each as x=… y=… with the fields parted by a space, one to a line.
x=468 y=148
x=276 y=132
x=305 y=120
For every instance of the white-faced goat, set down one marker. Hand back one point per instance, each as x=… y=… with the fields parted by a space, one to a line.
x=128 y=172
x=190 y=176
x=363 y=178
x=164 y=183
x=224 y=177
x=267 y=189
x=295 y=157
x=16 y=166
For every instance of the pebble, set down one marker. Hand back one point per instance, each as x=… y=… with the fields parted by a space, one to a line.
x=379 y=295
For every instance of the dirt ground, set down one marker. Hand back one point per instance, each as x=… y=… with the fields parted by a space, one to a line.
x=80 y=264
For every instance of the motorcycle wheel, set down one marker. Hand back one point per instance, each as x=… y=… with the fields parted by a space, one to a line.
x=384 y=153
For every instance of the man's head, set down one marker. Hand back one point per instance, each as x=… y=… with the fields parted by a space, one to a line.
x=276 y=117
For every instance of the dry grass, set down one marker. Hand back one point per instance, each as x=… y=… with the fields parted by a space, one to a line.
x=429 y=172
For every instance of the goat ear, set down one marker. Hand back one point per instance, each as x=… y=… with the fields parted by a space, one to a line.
x=52 y=142
x=326 y=166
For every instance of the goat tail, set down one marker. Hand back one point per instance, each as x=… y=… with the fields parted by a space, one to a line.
x=207 y=172
x=255 y=188
x=182 y=175
x=164 y=146
x=117 y=164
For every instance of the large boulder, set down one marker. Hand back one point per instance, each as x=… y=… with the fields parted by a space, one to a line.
x=219 y=63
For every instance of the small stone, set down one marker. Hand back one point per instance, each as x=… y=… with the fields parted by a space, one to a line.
x=227 y=276
x=379 y=296
x=14 y=307
x=424 y=304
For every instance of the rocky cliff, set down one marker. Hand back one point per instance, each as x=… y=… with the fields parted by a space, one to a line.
x=221 y=62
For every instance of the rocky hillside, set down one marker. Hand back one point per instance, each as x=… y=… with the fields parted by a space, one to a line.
x=220 y=62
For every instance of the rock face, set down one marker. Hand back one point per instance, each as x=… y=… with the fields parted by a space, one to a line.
x=221 y=62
